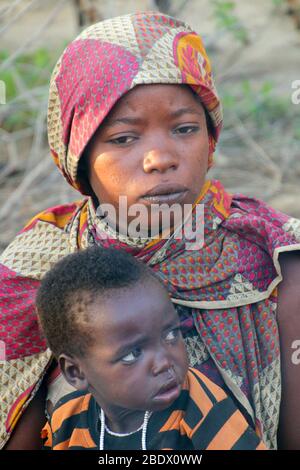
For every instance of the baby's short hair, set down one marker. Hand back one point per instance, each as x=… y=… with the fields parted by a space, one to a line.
x=73 y=284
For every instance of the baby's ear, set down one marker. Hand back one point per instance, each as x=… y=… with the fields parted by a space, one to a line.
x=72 y=371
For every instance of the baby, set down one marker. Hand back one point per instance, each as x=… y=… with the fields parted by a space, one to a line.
x=116 y=336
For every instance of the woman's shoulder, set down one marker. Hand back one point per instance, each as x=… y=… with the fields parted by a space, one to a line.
x=264 y=225
x=42 y=242
x=57 y=216
x=289 y=292
x=251 y=206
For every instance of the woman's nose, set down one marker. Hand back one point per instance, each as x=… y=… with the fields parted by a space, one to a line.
x=160 y=159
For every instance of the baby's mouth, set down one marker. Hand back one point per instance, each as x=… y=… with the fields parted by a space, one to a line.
x=168 y=392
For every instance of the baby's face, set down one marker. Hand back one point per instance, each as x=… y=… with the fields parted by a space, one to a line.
x=155 y=135
x=139 y=361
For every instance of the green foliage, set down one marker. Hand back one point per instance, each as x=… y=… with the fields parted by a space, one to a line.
x=33 y=69
x=261 y=106
x=29 y=71
x=278 y=3
x=227 y=20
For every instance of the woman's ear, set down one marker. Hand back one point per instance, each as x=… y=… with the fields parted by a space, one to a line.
x=83 y=176
x=72 y=371
x=211 y=148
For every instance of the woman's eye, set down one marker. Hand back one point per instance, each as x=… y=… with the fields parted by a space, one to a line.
x=173 y=335
x=186 y=129
x=132 y=356
x=123 y=140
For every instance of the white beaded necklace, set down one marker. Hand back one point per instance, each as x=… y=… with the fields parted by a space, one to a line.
x=104 y=428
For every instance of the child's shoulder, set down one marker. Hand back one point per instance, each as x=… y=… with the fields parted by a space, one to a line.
x=202 y=392
x=73 y=401
x=69 y=416
x=212 y=420
x=72 y=404
x=197 y=383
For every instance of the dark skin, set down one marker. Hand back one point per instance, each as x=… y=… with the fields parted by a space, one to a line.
x=136 y=345
x=289 y=331
x=161 y=165
x=27 y=434
x=156 y=135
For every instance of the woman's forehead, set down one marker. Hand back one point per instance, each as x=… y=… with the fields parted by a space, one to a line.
x=172 y=97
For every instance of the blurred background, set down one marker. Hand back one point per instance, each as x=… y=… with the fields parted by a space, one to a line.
x=255 y=52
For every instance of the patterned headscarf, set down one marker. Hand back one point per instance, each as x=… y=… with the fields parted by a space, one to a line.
x=106 y=61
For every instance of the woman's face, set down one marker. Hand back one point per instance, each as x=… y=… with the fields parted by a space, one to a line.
x=154 y=140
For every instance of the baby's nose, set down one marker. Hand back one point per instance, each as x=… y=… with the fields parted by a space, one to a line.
x=162 y=363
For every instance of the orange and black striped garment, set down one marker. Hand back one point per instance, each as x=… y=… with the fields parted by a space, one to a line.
x=202 y=417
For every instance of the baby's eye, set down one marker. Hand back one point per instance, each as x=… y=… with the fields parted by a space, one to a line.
x=132 y=356
x=186 y=129
x=173 y=335
x=123 y=140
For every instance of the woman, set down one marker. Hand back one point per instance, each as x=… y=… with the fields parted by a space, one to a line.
x=133 y=112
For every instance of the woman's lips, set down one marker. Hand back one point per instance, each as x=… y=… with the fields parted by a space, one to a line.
x=165 y=193
x=170 y=198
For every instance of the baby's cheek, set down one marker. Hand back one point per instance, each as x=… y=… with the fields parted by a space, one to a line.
x=183 y=356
